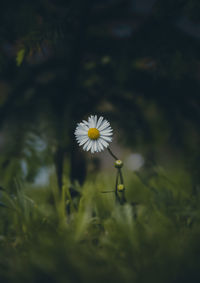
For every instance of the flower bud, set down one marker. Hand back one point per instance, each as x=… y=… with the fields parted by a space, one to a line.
x=120 y=187
x=118 y=163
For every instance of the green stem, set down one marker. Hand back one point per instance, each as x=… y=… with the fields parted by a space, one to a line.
x=119 y=175
x=112 y=154
x=116 y=184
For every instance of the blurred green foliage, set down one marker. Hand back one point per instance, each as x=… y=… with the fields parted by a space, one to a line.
x=59 y=62
x=153 y=238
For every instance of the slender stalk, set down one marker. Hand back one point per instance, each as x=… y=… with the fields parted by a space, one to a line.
x=120 y=197
x=123 y=199
x=116 y=183
x=121 y=176
x=112 y=154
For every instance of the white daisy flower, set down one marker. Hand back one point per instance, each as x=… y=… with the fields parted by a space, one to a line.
x=94 y=134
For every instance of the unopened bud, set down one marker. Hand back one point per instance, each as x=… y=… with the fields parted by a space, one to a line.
x=120 y=187
x=118 y=164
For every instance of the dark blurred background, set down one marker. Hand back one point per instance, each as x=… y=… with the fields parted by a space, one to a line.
x=136 y=62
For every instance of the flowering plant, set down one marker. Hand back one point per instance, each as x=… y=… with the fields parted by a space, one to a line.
x=95 y=135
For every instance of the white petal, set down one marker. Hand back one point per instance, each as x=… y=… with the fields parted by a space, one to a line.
x=104 y=143
x=99 y=122
x=81 y=132
x=95 y=121
x=106 y=133
x=98 y=145
x=108 y=129
x=106 y=138
x=95 y=145
x=80 y=138
x=98 y=148
x=86 y=144
x=83 y=127
x=92 y=148
x=89 y=145
x=83 y=141
x=91 y=122
x=104 y=125
x=85 y=122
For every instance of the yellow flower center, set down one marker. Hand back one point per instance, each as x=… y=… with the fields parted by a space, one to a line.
x=93 y=134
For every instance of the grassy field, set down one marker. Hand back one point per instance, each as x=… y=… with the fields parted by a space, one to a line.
x=88 y=237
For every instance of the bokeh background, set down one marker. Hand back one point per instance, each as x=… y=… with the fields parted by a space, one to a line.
x=136 y=63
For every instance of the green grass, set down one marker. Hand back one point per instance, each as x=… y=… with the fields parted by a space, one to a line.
x=154 y=237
